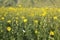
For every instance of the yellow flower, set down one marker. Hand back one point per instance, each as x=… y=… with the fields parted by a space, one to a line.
x=9 y=21
x=25 y=20
x=36 y=31
x=51 y=33
x=55 y=17
x=35 y=21
x=44 y=14
x=22 y=17
x=2 y=18
x=8 y=28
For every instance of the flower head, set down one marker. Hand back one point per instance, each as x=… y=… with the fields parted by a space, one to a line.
x=44 y=14
x=9 y=21
x=36 y=31
x=2 y=18
x=25 y=20
x=51 y=33
x=23 y=17
x=35 y=21
x=55 y=17
x=8 y=28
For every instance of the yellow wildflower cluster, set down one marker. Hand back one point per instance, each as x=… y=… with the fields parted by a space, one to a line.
x=12 y=9
x=30 y=21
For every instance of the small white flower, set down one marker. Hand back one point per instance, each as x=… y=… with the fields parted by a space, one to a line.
x=24 y=31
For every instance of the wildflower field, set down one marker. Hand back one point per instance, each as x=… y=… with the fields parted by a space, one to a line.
x=29 y=23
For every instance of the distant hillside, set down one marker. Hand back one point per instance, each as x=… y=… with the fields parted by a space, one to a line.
x=31 y=3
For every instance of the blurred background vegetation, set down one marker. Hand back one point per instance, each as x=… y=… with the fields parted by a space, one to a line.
x=30 y=3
